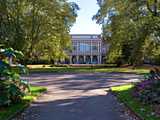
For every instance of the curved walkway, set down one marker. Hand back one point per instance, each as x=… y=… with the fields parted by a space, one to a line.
x=80 y=96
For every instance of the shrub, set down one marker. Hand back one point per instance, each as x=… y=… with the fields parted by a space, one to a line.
x=148 y=90
x=12 y=88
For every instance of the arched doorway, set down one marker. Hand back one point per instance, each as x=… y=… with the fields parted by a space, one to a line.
x=88 y=59
x=81 y=60
x=74 y=60
x=95 y=59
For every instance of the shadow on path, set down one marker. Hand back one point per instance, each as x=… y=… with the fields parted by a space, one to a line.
x=80 y=96
x=83 y=81
x=99 y=107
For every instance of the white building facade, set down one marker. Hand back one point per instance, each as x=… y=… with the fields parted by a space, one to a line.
x=87 y=49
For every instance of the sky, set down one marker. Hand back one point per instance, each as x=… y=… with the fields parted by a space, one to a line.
x=84 y=23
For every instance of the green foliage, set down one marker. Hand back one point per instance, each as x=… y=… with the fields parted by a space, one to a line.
x=124 y=94
x=12 y=110
x=148 y=91
x=12 y=88
x=10 y=52
x=127 y=25
x=37 y=27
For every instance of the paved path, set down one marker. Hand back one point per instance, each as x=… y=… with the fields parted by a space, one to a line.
x=78 y=97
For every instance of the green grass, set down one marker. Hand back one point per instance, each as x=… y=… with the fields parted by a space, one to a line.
x=8 y=112
x=88 y=69
x=124 y=95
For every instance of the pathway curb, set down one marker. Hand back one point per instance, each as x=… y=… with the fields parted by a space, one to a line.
x=131 y=112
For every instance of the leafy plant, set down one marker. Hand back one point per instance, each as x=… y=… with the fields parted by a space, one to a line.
x=148 y=90
x=12 y=88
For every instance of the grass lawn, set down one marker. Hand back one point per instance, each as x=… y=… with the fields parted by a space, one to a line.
x=140 y=70
x=8 y=112
x=124 y=95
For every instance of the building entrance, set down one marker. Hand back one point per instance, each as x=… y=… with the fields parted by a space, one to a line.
x=81 y=60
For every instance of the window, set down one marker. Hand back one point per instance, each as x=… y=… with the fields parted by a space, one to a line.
x=87 y=48
x=94 y=37
x=74 y=48
x=74 y=43
x=94 y=48
x=81 y=36
x=84 y=47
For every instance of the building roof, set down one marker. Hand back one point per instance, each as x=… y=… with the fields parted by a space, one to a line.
x=84 y=34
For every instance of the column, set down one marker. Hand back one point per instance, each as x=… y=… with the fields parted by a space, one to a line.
x=91 y=53
x=100 y=52
x=91 y=59
x=98 y=59
x=98 y=48
x=77 y=58
x=97 y=52
x=84 y=59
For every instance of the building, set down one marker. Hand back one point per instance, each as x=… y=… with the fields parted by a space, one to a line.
x=87 y=49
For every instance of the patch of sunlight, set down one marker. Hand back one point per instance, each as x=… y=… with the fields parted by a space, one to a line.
x=29 y=98
x=66 y=104
x=122 y=88
x=42 y=66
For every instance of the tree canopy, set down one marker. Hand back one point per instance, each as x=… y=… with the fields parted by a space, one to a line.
x=132 y=28
x=37 y=27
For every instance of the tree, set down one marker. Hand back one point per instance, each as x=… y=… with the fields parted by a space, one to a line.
x=127 y=25
x=37 y=27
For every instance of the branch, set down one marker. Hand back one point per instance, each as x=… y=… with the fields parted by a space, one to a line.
x=148 y=7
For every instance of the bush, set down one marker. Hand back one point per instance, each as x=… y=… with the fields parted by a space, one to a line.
x=12 y=88
x=148 y=90
x=35 y=62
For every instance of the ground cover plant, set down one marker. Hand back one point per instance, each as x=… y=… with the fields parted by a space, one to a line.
x=143 y=97
x=124 y=95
